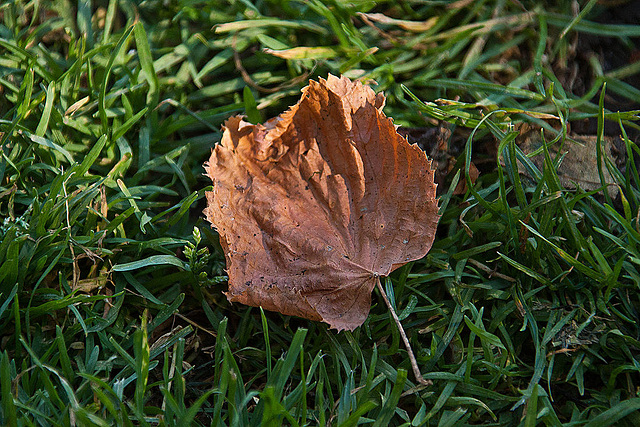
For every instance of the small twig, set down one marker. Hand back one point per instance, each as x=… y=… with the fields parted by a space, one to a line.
x=492 y=272
x=412 y=358
x=213 y=334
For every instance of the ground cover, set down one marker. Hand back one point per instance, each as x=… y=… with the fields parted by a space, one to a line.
x=525 y=311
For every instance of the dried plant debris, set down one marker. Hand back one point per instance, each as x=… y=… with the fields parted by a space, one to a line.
x=579 y=165
x=317 y=203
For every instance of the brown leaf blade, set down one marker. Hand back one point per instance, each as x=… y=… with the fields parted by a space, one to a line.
x=316 y=203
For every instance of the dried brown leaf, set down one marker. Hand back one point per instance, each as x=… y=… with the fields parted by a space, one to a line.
x=317 y=203
x=579 y=166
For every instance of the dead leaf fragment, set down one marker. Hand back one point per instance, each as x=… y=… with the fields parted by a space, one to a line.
x=579 y=165
x=316 y=52
x=317 y=203
x=415 y=26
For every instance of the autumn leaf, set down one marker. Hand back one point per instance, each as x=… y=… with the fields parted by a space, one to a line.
x=579 y=166
x=317 y=203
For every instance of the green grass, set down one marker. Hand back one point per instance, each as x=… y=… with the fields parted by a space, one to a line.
x=525 y=311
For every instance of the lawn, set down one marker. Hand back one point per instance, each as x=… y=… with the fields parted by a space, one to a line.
x=112 y=306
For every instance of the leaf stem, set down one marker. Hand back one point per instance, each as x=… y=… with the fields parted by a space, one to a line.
x=412 y=358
